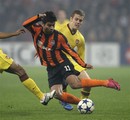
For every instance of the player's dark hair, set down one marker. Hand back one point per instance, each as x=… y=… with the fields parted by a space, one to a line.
x=50 y=17
x=79 y=12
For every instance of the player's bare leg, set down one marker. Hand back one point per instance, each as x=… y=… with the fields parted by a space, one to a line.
x=30 y=83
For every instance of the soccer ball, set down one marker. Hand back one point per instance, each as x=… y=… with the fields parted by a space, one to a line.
x=85 y=106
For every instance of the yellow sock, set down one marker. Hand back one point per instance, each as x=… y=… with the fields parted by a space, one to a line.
x=31 y=85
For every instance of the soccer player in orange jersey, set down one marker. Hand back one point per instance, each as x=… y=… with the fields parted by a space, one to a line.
x=7 y=64
x=51 y=47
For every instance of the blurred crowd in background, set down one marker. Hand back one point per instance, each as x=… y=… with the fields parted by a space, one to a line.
x=106 y=20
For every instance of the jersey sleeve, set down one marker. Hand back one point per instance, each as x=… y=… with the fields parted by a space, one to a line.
x=28 y=24
x=66 y=48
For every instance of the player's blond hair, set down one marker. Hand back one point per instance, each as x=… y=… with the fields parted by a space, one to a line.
x=79 y=12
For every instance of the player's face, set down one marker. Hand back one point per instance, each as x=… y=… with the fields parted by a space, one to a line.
x=76 y=21
x=48 y=27
x=61 y=16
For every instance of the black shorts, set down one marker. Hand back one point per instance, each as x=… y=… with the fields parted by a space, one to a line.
x=58 y=74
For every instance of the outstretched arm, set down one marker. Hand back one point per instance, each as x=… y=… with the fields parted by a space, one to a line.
x=4 y=35
x=31 y=21
x=66 y=48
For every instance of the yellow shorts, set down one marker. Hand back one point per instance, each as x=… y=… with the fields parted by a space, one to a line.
x=77 y=66
x=5 y=61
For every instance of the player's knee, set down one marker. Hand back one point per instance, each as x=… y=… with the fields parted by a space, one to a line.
x=74 y=86
x=58 y=94
x=73 y=81
x=58 y=89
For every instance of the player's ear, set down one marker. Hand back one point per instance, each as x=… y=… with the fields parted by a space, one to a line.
x=71 y=18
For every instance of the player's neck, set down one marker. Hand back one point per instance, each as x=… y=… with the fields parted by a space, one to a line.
x=73 y=31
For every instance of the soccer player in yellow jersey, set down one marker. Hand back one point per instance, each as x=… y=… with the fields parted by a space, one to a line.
x=77 y=42
x=61 y=20
x=7 y=64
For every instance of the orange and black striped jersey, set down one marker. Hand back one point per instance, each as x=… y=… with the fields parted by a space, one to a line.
x=50 y=48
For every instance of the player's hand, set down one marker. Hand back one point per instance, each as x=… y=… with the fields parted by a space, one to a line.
x=20 y=31
x=41 y=15
x=88 y=66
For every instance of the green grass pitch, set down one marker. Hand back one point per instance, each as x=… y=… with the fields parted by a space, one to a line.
x=17 y=103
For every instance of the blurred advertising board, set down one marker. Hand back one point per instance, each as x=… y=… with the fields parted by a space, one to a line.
x=103 y=54
x=22 y=52
x=125 y=54
x=97 y=54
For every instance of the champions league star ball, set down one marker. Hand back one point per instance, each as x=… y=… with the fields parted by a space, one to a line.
x=85 y=106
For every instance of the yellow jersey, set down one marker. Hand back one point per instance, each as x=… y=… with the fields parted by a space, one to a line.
x=5 y=61
x=59 y=25
x=77 y=42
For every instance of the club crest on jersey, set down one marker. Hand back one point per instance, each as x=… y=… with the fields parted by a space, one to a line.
x=76 y=41
x=52 y=42
x=40 y=44
x=7 y=57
